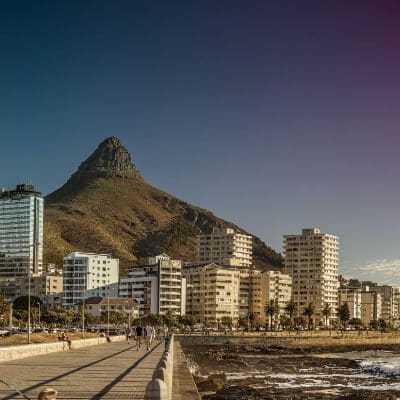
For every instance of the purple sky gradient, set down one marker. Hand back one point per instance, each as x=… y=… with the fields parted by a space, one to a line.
x=274 y=117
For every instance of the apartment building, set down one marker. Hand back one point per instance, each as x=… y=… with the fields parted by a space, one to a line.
x=225 y=247
x=21 y=236
x=213 y=292
x=311 y=259
x=351 y=296
x=87 y=275
x=157 y=287
x=371 y=306
x=387 y=298
x=41 y=286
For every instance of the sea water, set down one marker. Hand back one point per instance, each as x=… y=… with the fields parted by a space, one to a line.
x=378 y=371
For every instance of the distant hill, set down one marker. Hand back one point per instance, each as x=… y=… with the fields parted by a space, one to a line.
x=106 y=206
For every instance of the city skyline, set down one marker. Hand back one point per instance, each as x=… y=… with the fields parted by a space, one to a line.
x=244 y=111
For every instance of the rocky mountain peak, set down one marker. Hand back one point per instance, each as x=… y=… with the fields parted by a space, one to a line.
x=110 y=159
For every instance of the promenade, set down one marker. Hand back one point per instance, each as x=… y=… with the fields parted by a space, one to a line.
x=113 y=370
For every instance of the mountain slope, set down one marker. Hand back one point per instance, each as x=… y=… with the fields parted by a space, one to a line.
x=107 y=206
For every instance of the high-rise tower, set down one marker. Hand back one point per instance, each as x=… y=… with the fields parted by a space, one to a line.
x=311 y=259
x=21 y=235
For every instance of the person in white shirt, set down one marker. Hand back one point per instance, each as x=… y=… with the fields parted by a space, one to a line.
x=149 y=335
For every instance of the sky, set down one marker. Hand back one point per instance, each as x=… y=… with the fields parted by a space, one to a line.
x=273 y=115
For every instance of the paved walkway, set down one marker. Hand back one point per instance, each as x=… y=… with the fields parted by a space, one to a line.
x=113 y=370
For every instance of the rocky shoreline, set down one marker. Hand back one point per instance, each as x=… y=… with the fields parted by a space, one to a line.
x=275 y=372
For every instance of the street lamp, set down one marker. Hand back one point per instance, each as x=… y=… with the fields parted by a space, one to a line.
x=83 y=302
x=29 y=307
x=129 y=313
x=108 y=308
x=108 y=312
x=38 y=303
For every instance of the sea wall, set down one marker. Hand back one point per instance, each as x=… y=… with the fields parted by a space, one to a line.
x=8 y=353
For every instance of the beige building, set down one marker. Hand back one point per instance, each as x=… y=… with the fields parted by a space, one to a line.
x=371 y=307
x=311 y=259
x=387 y=299
x=277 y=286
x=157 y=287
x=213 y=292
x=225 y=247
x=41 y=286
x=351 y=296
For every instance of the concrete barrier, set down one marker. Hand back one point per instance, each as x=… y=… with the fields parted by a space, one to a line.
x=9 y=353
x=160 y=387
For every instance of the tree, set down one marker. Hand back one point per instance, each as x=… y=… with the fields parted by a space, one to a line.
x=356 y=322
x=382 y=324
x=271 y=309
x=326 y=312
x=187 y=320
x=344 y=314
x=285 y=321
x=291 y=308
x=309 y=312
x=227 y=321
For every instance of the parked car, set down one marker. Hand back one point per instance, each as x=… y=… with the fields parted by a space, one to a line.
x=4 y=332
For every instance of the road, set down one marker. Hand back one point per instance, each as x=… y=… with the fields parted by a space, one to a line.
x=113 y=370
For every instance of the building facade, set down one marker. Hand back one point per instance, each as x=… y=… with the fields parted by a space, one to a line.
x=311 y=259
x=225 y=247
x=351 y=296
x=157 y=287
x=21 y=236
x=371 y=307
x=87 y=275
x=95 y=306
x=213 y=292
x=41 y=286
x=387 y=299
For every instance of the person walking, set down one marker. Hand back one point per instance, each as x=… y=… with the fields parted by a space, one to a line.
x=149 y=335
x=138 y=335
x=128 y=333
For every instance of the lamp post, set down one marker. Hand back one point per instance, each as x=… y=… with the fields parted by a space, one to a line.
x=108 y=312
x=39 y=312
x=29 y=307
x=129 y=313
x=85 y=274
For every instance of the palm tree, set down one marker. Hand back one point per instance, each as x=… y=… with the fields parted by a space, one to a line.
x=309 y=312
x=326 y=312
x=271 y=309
x=291 y=309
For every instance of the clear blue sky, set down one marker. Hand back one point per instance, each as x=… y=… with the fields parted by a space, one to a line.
x=273 y=116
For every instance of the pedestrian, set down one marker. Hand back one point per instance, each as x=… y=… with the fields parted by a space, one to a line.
x=128 y=333
x=149 y=335
x=138 y=333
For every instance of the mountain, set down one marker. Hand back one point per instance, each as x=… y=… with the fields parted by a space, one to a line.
x=107 y=206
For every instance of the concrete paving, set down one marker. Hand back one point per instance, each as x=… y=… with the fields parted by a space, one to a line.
x=113 y=370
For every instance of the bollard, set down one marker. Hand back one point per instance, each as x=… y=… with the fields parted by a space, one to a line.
x=163 y=364
x=156 y=390
x=161 y=373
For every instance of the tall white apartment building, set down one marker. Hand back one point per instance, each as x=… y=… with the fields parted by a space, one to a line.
x=213 y=292
x=157 y=287
x=311 y=259
x=87 y=275
x=225 y=247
